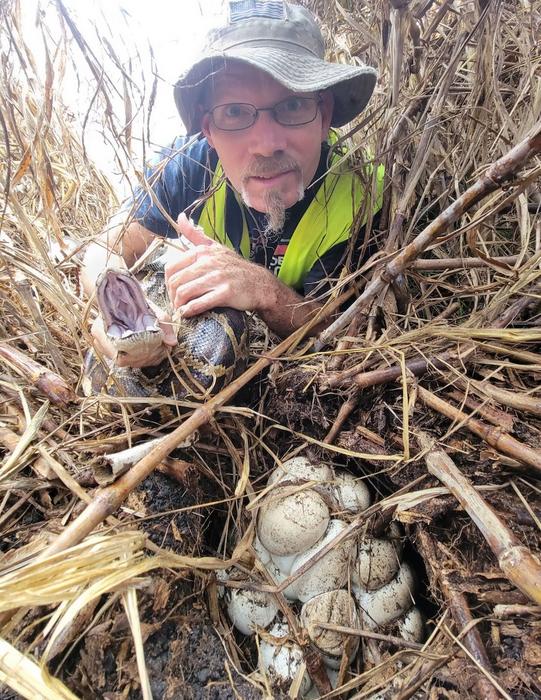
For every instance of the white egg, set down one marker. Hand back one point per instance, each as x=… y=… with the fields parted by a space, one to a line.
x=281 y=662
x=332 y=674
x=301 y=469
x=284 y=563
x=278 y=577
x=262 y=554
x=377 y=563
x=250 y=609
x=329 y=572
x=352 y=493
x=388 y=602
x=336 y=607
x=412 y=626
x=289 y=524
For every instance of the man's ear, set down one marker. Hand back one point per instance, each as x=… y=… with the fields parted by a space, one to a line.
x=326 y=107
x=205 y=128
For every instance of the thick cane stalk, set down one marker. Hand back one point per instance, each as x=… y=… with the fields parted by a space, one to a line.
x=516 y=561
x=49 y=383
x=493 y=435
x=461 y=614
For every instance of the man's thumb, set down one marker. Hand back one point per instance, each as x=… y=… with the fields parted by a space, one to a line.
x=189 y=230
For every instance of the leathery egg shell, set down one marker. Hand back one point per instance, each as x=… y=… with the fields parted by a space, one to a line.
x=289 y=524
x=278 y=576
x=338 y=608
x=250 y=609
x=412 y=627
x=388 y=602
x=352 y=494
x=301 y=469
x=329 y=572
x=284 y=563
x=281 y=662
x=377 y=563
x=260 y=551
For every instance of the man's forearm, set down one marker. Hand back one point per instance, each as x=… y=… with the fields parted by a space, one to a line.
x=98 y=256
x=286 y=311
x=119 y=247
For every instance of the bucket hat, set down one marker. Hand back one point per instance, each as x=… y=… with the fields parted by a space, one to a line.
x=283 y=40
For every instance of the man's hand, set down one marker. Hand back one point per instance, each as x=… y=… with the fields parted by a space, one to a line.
x=210 y=275
x=136 y=358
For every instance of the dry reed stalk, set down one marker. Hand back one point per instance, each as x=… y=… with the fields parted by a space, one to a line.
x=460 y=263
x=492 y=415
x=511 y=399
x=498 y=174
x=461 y=614
x=515 y=560
x=495 y=437
x=385 y=375
x=23 y=675
x=51 y=384
x=345 y=411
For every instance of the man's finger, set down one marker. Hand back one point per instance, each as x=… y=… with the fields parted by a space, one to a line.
x=193 y=233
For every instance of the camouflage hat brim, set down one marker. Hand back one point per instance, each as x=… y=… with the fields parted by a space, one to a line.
x=299 y=71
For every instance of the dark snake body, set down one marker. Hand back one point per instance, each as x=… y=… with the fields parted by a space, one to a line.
x=212 y=347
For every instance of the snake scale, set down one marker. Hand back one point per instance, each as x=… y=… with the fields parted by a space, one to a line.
x=212 y=348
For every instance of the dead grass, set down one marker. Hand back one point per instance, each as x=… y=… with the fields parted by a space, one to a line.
x=460 y=86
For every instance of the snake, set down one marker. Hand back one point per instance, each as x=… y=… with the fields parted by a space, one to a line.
x=212 y=348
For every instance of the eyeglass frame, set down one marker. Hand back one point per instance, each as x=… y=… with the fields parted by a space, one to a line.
x=272 y=109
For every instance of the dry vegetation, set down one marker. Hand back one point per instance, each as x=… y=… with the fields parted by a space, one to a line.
x=428 y=385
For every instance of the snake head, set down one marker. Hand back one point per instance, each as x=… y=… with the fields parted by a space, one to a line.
x=128 y=319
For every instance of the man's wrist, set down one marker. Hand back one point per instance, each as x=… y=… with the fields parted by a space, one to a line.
x=269 y=292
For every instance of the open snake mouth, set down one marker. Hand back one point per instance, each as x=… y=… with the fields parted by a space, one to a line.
x=123 y=306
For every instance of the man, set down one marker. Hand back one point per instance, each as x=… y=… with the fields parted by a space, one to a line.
x=270 y=220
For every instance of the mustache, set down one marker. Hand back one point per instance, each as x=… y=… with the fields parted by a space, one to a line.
x=261 y=166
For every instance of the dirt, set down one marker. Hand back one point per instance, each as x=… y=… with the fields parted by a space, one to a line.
x=183 y=653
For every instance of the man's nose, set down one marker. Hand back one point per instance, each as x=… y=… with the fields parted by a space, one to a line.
x=267 y=136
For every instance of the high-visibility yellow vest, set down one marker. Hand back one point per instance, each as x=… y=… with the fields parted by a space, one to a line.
x=327 y=220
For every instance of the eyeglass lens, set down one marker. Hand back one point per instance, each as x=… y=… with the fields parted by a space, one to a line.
x=293 y=111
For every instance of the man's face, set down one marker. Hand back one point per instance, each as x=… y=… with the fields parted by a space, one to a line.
x=267 y=163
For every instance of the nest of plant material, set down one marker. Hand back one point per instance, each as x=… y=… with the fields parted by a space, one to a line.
x=426 y=384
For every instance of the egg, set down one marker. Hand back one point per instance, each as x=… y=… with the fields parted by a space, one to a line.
x=281 y=662
x=250 y=609
x=336 y=607
x=284 y=563
x=301 y=469
x=385 y=604
x=332 y=675
x=376 y=564
x=288 y=523
x=261 y=553
x=352 y=494
x=278 y=576
x=412 y=627
x=329 y=572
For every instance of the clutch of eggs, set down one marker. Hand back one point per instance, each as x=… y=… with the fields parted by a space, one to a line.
x=360 y=583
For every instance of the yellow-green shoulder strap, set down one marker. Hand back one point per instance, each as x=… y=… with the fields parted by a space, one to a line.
x=212 y=217
x=327 y=222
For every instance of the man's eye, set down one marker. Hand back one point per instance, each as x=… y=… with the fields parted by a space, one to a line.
x=233 y=111
x=293 y=104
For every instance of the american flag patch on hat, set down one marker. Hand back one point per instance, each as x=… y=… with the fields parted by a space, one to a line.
x=248 y=9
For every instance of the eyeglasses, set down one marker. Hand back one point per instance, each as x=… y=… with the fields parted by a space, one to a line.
x=293 y=111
